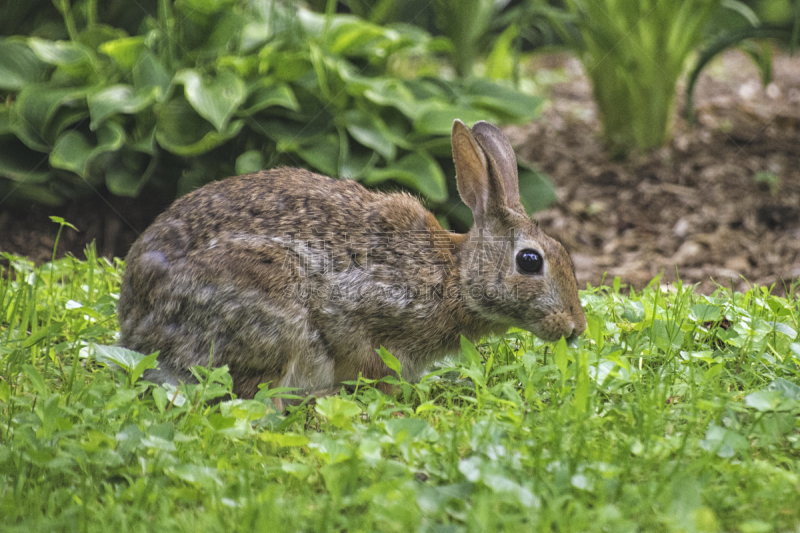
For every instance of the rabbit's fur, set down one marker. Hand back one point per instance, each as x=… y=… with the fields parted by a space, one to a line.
x=295 y=279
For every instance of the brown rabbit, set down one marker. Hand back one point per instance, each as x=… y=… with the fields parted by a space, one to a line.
x=295 y=279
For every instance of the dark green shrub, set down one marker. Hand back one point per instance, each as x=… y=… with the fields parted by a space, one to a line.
x=206 y=89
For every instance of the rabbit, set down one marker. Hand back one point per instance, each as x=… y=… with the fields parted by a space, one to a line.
x=296 y=279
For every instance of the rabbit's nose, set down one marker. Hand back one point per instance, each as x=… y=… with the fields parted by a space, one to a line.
x=574 y=330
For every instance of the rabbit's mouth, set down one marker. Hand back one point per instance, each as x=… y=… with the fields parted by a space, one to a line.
x=556 y=325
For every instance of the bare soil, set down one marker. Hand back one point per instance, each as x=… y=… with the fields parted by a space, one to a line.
x=719 y=205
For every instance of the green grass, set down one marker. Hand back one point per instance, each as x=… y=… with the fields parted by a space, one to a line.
x=675 y=412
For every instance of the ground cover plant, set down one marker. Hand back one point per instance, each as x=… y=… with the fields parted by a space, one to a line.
x=675 y=412
x=634 y=52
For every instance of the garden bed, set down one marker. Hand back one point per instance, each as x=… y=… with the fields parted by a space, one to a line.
x=722 y=202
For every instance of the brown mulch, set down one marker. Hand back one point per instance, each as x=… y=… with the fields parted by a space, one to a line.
x=695 y=205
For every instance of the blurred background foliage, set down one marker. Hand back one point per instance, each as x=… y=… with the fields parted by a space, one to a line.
x=163 y=96
x=166 y=96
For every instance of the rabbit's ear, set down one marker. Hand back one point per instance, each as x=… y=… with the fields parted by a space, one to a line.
x=475 y=185
x=502 y=161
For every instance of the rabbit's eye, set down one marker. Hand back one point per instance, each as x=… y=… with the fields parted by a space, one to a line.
x=530 y=261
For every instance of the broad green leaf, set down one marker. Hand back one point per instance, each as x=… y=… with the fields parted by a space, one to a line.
x=36 y=379
x=250 y=161
x=765 y=400
x=470 y=352
x=130 y=172
x=145 y=364
x=390 y=361
x=789 y=390
x=536 y=191
x=160 y=398
x=284 y=440
x=127 y=359
x=183 y=132
x=19 y=66
x=501 y=60
x=71 y=57
x=388 y=92
x=25 y=192
x=34 y=113
x=414 y=429
x=126 y=51
x=204 y=476
x=417 y=171
x=268 y=95
x=786 y=330
x=215 y=99
x=73 y=152
x=594 y=330
x=59 y=52
x=370 y=131
x=322 y=154
x=504 y=102
x=338 y=411
x=353 y=36
x=247 y=410
x=439 y=121
x=148 y=71
x=667 y=336
x=724 y=442
x=118 y=99
x=705 y=313
x=20 y=163
x=207 y=7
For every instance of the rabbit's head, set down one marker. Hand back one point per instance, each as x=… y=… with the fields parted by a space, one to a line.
x=511 y=273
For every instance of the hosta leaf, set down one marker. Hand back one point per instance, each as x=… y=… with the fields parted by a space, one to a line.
x=275 y=94
x=535 y=190
x=506 y=103
x=389 y=92
x=183 y=132
x=25 y=192
x=250 y=161
x=439 y=121
x=322 y=154
x=370 y=131
x=20 y=163
x=73 y=151
x=353 y=36
x=149 y=72
x=130 y=173
x=19 y=66
x=35 y=109
x=70 y=57
x=59 y=52
x=204 y=476
x=417 y=171
x=126 y=51
x=215 y=99
x=205 y=6
x=118 y=99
